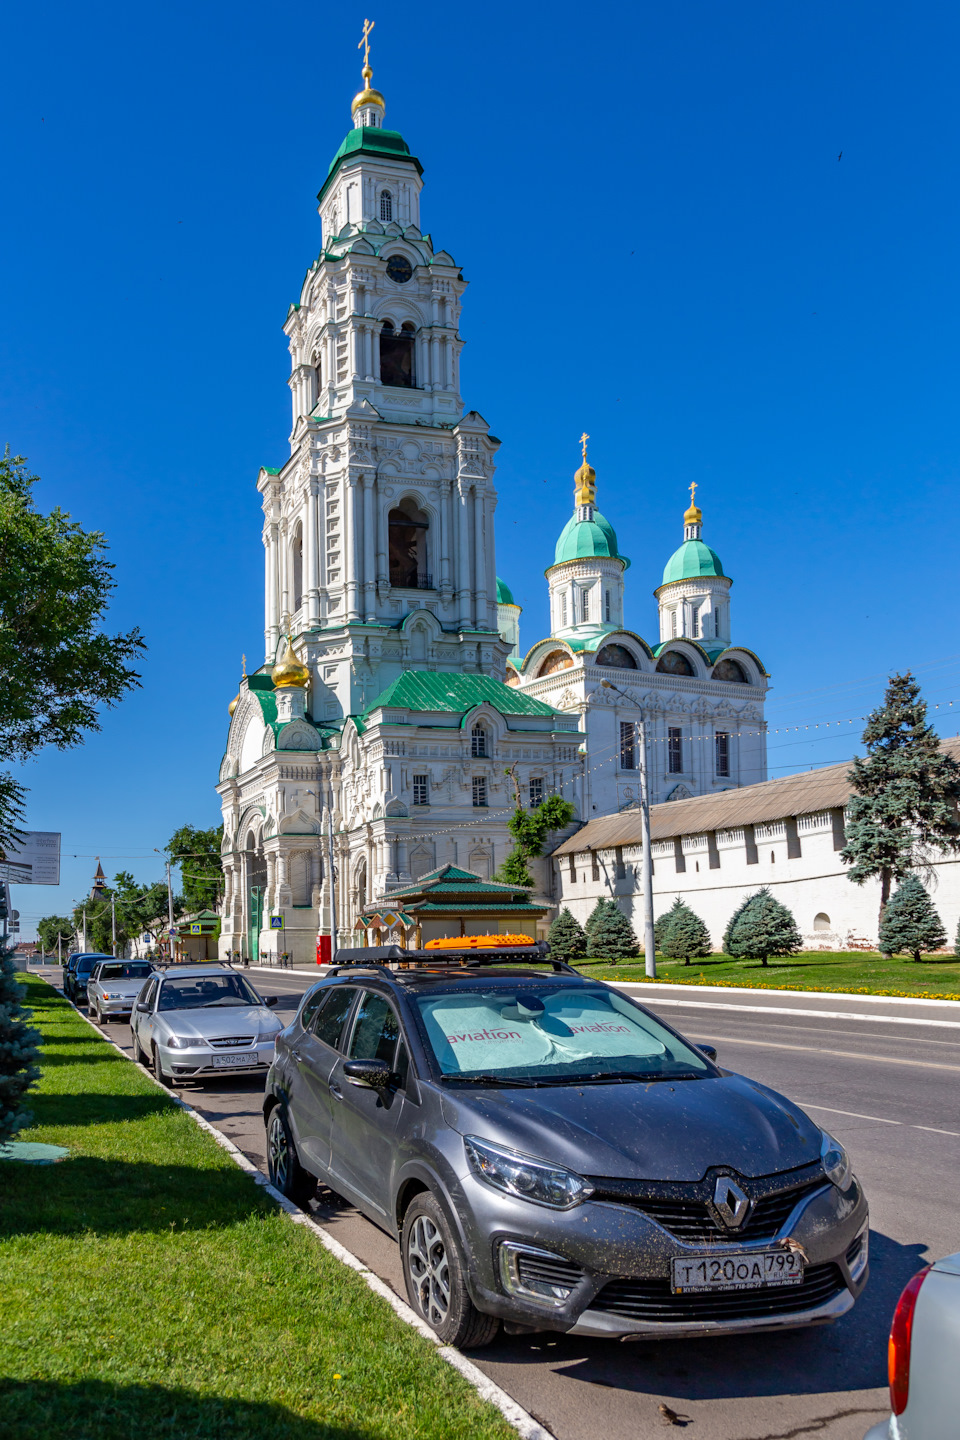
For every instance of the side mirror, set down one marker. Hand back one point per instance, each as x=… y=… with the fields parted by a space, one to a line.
x=369 y=1074
x=144 y=1007
x=271 y=1000
x=709 y=1050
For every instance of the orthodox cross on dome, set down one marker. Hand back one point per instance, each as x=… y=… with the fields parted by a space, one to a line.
x=364 y=44
x=583 y=445
x=693 y=492
x=243 y=666
x=585 y=488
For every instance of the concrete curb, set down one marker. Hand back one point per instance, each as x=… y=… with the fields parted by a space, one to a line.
x=523 y=1422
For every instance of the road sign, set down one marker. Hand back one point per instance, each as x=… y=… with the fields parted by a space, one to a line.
x=173 y=934
x=34 y=861
x=276 y=922
x=196 y=929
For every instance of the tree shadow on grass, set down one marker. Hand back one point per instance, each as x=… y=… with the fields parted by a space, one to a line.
x=88 y=1195
x=97 y=1410
x=95 y=1108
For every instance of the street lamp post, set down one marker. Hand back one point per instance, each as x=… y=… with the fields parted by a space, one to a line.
x=170 y=937
x=646 y=858
x=113 y=924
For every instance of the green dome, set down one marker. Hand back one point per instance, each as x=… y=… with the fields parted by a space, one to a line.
x=582 y=539
x=692 y=560
x=504 y=593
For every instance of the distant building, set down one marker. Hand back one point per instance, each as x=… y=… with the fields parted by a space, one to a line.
x=713 y=851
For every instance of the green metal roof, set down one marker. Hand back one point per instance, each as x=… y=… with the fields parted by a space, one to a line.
x=512 y=907
x=692 y=560
x=504 y=593
x=455 y=694
x=369 y=140
x=583 y=539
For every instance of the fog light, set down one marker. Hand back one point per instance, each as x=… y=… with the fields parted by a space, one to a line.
x=537 y=1276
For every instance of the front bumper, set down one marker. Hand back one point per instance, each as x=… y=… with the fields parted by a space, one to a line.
x=613 y=1264
x=208 y=1062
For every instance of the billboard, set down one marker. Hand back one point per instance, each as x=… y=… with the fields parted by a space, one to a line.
x=35 y=861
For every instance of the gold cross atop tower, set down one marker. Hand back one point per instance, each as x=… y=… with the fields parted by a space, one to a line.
x=583 y=445
x=364 y=44
x=243 y=663
x=693 y=492
x=692 y=516
x=585 y=486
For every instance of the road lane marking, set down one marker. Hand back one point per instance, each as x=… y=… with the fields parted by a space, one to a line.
x=815 y=1014
x=835 y=995
x=839 y=1054
x=878 y=1119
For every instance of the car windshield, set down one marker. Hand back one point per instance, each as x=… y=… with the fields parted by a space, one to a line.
x=126 y=970
x=190 y=992
x=545 y=1034
x=86 y=963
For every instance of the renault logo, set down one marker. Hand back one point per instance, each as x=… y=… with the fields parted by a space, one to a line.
x=733 y=1206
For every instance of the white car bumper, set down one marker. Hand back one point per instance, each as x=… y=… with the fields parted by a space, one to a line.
x=205 y=1063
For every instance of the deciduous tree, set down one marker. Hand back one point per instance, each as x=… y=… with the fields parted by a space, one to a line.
x=197 y=852
x=906 y=789
x=530 y=829
x=58 y=666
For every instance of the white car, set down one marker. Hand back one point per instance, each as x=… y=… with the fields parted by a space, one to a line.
x=191 y=1022
x=922 y=1358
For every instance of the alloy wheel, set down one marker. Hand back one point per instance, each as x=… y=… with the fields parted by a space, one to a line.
x=279 y=1152
x=427 y=1256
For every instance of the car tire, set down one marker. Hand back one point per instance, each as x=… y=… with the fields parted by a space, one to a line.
x=158 y=1070
x=434 y=1272
x=283 y=1164
x=96 y=1013
x=138 y=1056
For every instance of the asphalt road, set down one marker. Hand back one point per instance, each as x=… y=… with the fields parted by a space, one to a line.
x=884 y=1078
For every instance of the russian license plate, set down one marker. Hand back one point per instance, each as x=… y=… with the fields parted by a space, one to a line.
x=236 y=1057
x=743 y=1271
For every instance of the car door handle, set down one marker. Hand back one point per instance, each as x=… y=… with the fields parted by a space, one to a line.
x=335 y=1090
x=295 y=1054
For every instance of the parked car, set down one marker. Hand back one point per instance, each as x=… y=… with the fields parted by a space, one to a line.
x=114 y=986
x=550 y=1154
x=78 y=973
x=922 y=1357
x=194 y=1021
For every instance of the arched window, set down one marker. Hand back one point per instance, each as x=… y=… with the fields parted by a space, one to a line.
x=556 y=660
x=396 y=355
x=617 y=656
x=730 y=670
x=821 y=921
x=672 y=662
x=297 y=557
x=407 y=527
x=386 y=205
x=478 y=742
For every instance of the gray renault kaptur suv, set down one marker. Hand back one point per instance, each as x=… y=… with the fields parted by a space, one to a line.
x=553 y=1156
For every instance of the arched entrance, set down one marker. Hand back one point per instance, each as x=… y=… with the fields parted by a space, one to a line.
x=256 y=889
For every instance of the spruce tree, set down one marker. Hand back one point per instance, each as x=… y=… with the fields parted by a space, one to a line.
x=956 y=943
x=761 y=928
x=905 y=792
x=18 y=1050
x=728 y=940
x=612 y=937
x=566 y=937
x=593 y=919
x=685 y=937
x=910 y=923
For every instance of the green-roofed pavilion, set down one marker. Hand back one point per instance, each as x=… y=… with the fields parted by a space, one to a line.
x=450 y=901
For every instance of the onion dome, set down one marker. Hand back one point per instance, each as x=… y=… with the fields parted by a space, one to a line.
x=233 y=705
x=694 y=559
x=504 y=593
x=288 y=672
x=367 y=95
x=587 y=538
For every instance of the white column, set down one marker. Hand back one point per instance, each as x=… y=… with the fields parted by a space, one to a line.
x=313 y=564
x=350 y=549
x=435 y=380
x=462 y=584
x=479 y=561
x=445 y=537
x=272 y=628
x=369 y=540
x=383 y=566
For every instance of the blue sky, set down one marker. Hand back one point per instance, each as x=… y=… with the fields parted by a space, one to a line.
x=663 y=248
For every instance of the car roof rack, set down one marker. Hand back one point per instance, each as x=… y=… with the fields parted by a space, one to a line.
x=395 y=957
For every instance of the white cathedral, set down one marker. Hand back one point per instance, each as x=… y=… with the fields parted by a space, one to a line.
x=393 y=698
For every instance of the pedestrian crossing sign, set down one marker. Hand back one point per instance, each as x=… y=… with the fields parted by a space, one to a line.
x=196 y=929
x=276 y=922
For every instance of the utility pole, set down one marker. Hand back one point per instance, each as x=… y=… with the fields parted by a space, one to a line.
x=333 y=880
x=59 y=949
x=113 y=924
x=84 y=946
x=646 y=858
x=170 y=937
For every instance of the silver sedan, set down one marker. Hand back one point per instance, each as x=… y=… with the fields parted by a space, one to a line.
x=114 y=986
x=191 y=1022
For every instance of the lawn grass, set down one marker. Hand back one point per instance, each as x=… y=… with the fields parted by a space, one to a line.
x=148 y=1288
x=856 y=972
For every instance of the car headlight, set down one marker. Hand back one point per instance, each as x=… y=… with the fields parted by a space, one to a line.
x=524 y=1177
x=836 y=1161
x=268 y=1036
x=183 y=1042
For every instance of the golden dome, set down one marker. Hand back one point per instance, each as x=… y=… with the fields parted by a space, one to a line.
x=289 y=672
x=233 y=705
x=585 y=485
x=367 y=95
